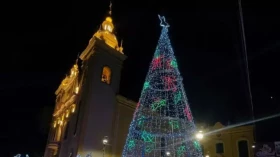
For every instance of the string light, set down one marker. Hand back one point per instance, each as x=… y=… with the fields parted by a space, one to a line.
x=162 y=121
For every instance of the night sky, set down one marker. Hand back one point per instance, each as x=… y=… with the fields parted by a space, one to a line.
x=41 y=41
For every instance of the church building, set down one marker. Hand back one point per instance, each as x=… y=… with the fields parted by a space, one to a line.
x=88 y=108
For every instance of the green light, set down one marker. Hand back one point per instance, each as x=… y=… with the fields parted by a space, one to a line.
x=141 y=120
x=149 y=148
x=157 y=53
x=174 y=64
x=174 y=124
x=131 y=144
x=178 y=97
x=146 y=85
x=158 y=104
x=147 y=137
x=196 y=145
x=181 y=150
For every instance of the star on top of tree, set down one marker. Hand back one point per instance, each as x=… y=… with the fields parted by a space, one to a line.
x=163 y=22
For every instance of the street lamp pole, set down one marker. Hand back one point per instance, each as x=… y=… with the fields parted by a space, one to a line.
x=105 y=142
x=104 y=146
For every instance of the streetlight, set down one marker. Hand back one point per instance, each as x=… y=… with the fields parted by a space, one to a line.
x=199 y=135
x=253 y=146
x=168 y=153
x=105 y=142
x=207 y=156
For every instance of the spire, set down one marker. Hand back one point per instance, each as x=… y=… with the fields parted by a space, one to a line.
x=106 y=32
x=110 y=6
x=107 y=24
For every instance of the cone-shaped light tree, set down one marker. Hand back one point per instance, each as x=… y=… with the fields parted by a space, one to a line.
x=162 y=124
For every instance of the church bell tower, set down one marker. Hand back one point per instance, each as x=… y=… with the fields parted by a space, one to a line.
x=95 y=102
x=102 y=63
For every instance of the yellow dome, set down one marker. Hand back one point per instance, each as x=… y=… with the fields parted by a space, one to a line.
x=109 y=19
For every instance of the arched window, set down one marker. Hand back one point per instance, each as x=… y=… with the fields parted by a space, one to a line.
x=108 y=28
x=243 y=148
x=106 y=75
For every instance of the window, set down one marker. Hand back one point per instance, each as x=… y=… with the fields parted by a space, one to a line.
x=108 y=28
x=106 y=75
x=243 y=148
x=219 y=148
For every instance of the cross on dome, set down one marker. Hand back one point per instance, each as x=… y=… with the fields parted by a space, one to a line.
x=163 y=22
x=110 y=6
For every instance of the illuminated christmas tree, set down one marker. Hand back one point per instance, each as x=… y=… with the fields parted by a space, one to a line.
x=162 y=124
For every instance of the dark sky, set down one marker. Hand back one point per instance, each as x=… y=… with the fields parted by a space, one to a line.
x=41 y=39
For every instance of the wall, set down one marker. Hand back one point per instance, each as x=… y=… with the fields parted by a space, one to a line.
x=124 y=115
